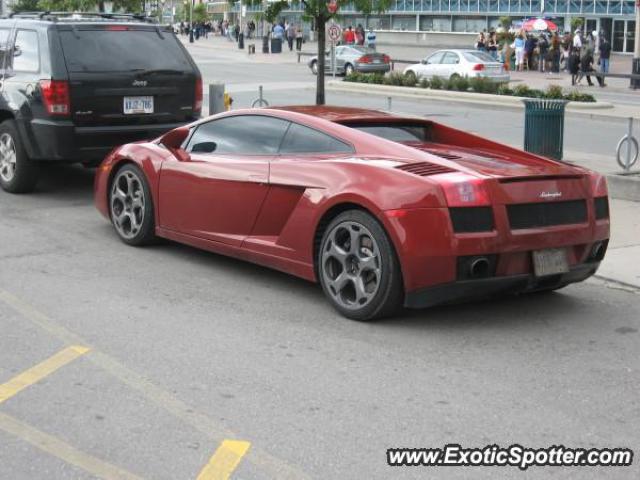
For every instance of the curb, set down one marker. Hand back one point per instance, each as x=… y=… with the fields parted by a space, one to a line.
x=461 y=97
x=624 y=186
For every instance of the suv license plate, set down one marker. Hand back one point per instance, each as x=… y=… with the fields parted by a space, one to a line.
x=550 y=262
x=133 y=105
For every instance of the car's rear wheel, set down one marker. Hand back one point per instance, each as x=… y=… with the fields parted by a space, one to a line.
x=131 y=206
x=358 y=268
x=314 y=67
x=411 y=77
x=18 y=174
x=348 y=69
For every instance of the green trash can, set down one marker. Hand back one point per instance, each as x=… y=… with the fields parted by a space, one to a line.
x=544 y=127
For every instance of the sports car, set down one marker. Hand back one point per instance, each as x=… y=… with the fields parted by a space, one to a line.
x=383 y=211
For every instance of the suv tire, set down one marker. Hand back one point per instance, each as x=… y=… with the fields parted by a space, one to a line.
x=18 y=174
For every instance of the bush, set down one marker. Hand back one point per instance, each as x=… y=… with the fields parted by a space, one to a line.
x=424 y=83
x=503 y=89
x=579 y=97
x=483 y=85
x=437 y=83
x=460 y=84
x=521 y=91
x=554 y=92
x=395 y=78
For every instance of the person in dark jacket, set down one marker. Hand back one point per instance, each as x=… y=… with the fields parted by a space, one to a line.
x=529 y=47
x=586 y=67
x=573 y=64
x=605 y=54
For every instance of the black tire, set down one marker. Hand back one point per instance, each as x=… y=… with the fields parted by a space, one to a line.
x=18 y=174
x=314 y=67
x=455 y=76
x=385 y=298
x=348 y=69
x=133 y=221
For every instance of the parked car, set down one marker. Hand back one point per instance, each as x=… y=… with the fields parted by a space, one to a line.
x=459 y=63
x=353 y=58
x=76 y=85
x=381 y=210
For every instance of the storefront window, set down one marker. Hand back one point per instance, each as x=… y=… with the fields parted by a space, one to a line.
x=403 y=23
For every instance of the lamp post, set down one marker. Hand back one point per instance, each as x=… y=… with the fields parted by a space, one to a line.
x=190 y=19
x=635 y=82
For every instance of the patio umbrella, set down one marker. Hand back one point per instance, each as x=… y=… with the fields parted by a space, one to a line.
x=539 y=25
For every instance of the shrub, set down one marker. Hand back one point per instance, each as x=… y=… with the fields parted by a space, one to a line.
x=503 y=89
x=437 y=83
x=460 y=84
x=483 y=85
x=579 y=97
x=554 y=92
x=424 y=83
x=522 y=91
x=394 y=78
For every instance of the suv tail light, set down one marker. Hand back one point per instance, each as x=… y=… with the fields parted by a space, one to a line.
x=197 y=103
x=365 y=59
x=55 y=96
x=478 y=67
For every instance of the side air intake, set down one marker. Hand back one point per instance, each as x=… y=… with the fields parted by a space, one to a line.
x=424 y=169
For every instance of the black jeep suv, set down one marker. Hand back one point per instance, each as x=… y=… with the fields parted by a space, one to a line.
x=73 y=86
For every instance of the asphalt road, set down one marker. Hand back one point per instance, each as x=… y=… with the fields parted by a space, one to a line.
x=188 y=350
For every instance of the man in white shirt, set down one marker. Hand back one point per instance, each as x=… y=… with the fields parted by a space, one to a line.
x=577 y=39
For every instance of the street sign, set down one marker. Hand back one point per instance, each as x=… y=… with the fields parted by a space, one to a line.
x=334 y=32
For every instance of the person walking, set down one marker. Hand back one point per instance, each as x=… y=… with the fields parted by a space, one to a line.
x=349 y=36
x=605 y=54
x=529 y=48
x=291 y=35
x=492 y=45
x=481 y=42
x=518 y=45
x=299 y=38
x=543 y=49
x=586 y=67
x=371 y=39
x=554 y=53
x=573 y=65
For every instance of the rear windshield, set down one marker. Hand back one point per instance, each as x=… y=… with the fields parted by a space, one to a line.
x=103 y=50
x=479 y=57
x=396 y=132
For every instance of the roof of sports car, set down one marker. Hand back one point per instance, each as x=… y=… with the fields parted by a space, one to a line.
x=334 y=113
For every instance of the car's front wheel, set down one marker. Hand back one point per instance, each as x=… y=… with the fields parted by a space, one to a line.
x=358 y=268
x=314 y=67
x=18 y=174
x=348 y=69
x=131 y=206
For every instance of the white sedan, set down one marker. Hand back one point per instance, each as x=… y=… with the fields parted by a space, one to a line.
x=459 y=63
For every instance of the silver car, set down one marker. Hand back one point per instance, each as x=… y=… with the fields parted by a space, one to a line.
x=353 y=58
x=460 y=63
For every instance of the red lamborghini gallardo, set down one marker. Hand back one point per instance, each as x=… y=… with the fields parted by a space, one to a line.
x=382 y=210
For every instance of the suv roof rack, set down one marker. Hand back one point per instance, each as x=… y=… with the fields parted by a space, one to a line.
x=71 y=16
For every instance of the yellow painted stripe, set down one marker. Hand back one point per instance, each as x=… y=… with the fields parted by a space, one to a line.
x=62 y=450
x=38 y=372
x=225 y=460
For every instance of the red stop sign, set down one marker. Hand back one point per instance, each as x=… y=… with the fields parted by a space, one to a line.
x=332 y=6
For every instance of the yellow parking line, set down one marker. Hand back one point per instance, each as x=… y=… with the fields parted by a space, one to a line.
x=38 y=372
x=225 y=460
x=62 y=450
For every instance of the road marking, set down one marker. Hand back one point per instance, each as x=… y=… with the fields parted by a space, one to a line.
x=38 y=372
x=273 y=466
x=225 y=460
x=62 y=450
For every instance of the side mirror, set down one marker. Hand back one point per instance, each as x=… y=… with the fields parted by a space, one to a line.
x=424 y=62
x=173 y=140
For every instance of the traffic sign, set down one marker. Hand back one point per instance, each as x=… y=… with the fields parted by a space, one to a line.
x=334 y=32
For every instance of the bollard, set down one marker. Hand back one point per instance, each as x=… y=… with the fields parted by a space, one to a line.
x=627 y=162
x=216 y=98
x=389 y=104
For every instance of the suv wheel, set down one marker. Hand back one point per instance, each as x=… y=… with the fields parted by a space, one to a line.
x=18 y=174
x=358 y=268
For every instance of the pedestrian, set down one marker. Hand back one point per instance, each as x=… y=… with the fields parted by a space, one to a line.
x=359 y=34
x=481 y=43
x=299 y=38
x=577 y=40
x=349 y=36
x=554 y=53
x=518 y=45
x=573 y=65
x=586 y=67
x=605 y=54
x=543 y=48
x=492 y=45
x=291 y=35
x=278 y=31
x=529 y=48
x=371 y=39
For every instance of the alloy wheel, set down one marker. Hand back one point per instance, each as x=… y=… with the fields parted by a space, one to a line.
x=7 y=157
x=127 y=203
x=351 y=265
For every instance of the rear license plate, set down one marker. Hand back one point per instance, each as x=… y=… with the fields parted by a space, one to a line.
x=376 y=61
x=550 y=262
x=133 y=105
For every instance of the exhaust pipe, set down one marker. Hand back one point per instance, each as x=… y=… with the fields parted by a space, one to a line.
x=597 y=251
x=479 y=268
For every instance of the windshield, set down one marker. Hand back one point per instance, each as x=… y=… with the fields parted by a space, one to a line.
x=479 y=57
x=103 y=50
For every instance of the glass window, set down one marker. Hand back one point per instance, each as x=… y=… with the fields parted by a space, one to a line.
x=300 y=139
x=450 y=58
x=441 y=24
x=396 y=133
x=4 y=37
x=403 y=23
x=26 y=54
x=435 y=58
x=478 y=57
x=104 y=50
x=241 y=135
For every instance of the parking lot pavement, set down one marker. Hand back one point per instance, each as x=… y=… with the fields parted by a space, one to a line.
x=189 y=350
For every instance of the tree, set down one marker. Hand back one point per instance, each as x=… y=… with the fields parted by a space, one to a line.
x=200 y=13
x=25 y=6
x=316 y=10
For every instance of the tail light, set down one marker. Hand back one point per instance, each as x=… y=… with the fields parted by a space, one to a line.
x=463 y=190
x=365 y=59
x=197 y=103
x=386 y=58
x=55 y=97
x=598 y=185
x=478 y=67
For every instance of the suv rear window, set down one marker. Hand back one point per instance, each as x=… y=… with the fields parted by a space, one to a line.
x=118 y=50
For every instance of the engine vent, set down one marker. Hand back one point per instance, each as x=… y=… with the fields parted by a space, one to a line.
x=424 y=169
x=438 y=153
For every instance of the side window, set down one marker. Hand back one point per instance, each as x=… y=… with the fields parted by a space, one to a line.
x=239 y=135
x=451 y=58
x=4 y=39
x=26 y=53
x=301 y=139
x=435 y=58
